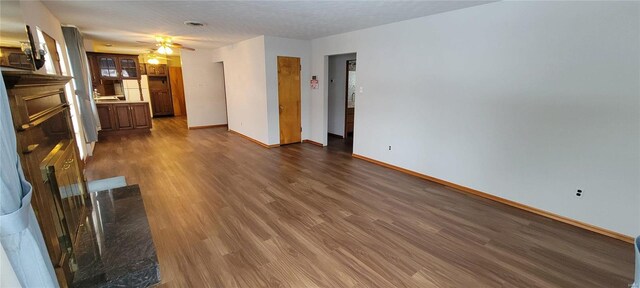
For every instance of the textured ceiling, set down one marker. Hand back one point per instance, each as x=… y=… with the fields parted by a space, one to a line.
x=122 y=23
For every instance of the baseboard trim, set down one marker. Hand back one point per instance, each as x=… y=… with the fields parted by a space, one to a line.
x=514 y=204
x=254 y=140
x=312 y=142
x=207 y=126
x=336 y=135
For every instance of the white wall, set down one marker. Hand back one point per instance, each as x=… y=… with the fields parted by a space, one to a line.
x=528 y=101
x=203 y=89
x=336 y=92
x=275 y=47
x=244 y=72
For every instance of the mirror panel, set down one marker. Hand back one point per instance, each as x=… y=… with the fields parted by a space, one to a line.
x=13 y=37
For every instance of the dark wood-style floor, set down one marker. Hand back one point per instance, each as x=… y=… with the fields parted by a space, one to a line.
x=225 y=212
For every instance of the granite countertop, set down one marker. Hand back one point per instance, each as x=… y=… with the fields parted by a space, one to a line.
x=114 y=246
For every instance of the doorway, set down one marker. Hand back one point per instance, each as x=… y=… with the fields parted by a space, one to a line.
x=289 y=100
x=342 y=94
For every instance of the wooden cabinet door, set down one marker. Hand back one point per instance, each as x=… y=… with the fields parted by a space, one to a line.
x=94 y=70
x=123 y=116
x=107 y=67
x=162 y=70
x=105 y=113
x=161 y=102
x=157 y=70
x=152 y=69
x=140 y=115
x=129 y=67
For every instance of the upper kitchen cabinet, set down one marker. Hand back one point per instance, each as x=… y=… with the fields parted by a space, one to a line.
x=157 y=69
x=107 y=66
x=129 y=67
x=113 y=66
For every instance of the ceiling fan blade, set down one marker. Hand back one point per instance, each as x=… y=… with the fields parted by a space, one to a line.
x=144 y=42
x=178 y=45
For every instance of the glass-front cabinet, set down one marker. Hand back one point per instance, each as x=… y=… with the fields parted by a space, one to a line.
x=108 y=67
x=129 y=67
x=113 y=66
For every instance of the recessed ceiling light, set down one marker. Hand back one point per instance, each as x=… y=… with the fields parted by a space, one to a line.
x=194 y=23
x=108 y=45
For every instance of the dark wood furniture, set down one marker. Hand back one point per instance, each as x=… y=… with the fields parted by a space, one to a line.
x=50 y=161
x=124 y=117
x=108 y=71
x=160 y=90
x=156 y=69
x=348 y=122
x=113 y=66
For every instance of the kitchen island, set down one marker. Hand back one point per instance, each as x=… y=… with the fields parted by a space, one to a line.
x=117 y=116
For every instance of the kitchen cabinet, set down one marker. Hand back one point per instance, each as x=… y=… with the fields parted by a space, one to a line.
x=129 y=67
x=140 y=116
x=113 y=66
x=107 y=67
x=160 y=92
x=161 y=102
x=107 y=122
x=124 y=117
x=157 y=70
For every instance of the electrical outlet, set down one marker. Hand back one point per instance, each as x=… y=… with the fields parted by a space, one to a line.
x=389 y=147
x=579 y=192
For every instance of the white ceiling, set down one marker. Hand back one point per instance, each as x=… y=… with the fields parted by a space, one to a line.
x=122 y=23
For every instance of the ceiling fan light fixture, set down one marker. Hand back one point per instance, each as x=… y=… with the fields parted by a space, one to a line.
x=162 y=49
x=168 y=50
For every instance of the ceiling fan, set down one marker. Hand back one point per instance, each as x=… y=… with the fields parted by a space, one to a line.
x=165 y=45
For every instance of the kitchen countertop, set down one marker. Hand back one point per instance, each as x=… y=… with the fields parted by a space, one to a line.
x=119 y=101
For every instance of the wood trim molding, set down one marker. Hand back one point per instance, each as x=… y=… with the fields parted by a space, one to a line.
x=207 y=126
x=254 y=140
x=312 y=142
x=514 y=204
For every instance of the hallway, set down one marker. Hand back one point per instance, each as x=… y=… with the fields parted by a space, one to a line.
x=225 y=212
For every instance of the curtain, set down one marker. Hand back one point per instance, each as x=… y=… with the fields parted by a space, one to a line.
x=19 y=231
x=80 y=68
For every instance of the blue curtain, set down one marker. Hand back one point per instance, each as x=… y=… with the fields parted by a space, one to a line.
x=20 y=234
x=80 y=68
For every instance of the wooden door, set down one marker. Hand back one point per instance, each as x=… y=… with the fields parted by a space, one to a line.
x=177 y=91
x=140 y=115
x=123 y=116
x=289 y=99
x=106 y=117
